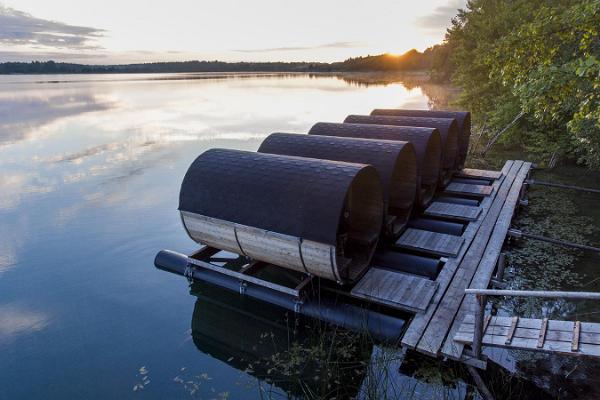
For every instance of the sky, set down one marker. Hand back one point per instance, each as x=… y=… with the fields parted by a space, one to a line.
x=126 y=31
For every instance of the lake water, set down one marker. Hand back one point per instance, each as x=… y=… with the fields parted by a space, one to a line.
x=90 y=168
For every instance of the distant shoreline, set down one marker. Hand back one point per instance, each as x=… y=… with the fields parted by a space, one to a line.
x=410 y=62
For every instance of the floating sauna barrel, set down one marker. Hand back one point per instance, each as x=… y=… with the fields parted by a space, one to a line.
x=314 y=216
x=463 y=118
x=426 y=141
x=395 y=161
x=448 y=130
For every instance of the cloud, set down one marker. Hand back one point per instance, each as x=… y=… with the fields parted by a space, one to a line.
x=332 y=45
x=20 y=28
x=440 y=18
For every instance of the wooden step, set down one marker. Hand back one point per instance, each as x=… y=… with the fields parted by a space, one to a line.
x=565 y=337
x=431 y=242
x=468 y=189
x=478 y=173
x=395 y=289
x=451 y=210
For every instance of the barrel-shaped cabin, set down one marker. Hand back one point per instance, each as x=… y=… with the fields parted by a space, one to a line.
x=315 y=216
x=395 y=161
x=426 y=142
x=463 y=118
x=447 y=127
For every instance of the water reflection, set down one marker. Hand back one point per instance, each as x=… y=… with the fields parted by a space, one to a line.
x=297 y=356
x=25 y=117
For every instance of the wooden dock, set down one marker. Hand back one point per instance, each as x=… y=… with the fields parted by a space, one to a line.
x=447 y=304
x=432 y=331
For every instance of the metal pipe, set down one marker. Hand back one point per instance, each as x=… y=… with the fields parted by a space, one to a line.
x=380 y=326
x=518 y=234
x=434 y=225
x=458 y=200
x=563 y=186
x=409 y=263
x=473 y=181
x=536 y=293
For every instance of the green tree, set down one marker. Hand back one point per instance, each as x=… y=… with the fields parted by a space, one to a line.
x=532 y=65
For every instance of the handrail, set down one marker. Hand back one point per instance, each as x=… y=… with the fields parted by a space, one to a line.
x=535 y=293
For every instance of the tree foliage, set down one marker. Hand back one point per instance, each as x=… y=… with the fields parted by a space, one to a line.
x=535 y=58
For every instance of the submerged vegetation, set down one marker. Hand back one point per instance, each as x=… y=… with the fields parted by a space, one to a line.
x=530 y=73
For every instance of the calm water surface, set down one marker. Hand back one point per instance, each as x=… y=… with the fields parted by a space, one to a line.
x=90 y=168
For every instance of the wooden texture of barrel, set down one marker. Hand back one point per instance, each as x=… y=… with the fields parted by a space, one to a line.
x=315 y=216
x=395 y=161
x=448 y=130
x=463 y=118
x=426 y=141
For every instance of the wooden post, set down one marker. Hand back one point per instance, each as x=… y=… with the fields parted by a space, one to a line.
x=501 y=267
x=478 y=332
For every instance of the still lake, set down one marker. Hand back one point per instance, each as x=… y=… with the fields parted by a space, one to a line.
x=90 y=169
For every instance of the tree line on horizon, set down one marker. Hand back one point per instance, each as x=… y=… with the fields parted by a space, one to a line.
x=412 y=60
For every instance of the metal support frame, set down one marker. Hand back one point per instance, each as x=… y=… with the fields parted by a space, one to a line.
x=516 y=233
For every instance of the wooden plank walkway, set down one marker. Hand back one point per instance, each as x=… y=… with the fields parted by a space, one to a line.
x=395 y=289
x=487 y=263
x=565 y=337
x=429 y=329
x=468 y=189
x=440 y=244
x=450 y=210
x=478 y=174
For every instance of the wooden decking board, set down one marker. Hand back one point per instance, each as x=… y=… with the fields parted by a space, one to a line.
x=468 y=189
x=419 y=322
x=487 y=264
x=478 y=173
x=443 y=318
x=431 y=242
x=528 y=332
x=395 y=289
x=451 y=210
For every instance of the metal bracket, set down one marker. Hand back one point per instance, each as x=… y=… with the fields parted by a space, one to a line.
x=243 y=286
x=297 y=306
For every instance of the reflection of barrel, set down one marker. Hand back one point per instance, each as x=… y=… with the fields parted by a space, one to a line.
x=448 y=130
x=426 y=141
x=394 y=161
x=463 y=118
x=315 y=216
x=260 y=339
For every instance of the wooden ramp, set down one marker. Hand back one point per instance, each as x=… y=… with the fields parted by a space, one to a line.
x=395 y=289
x=565 y=337
x=432 y=331
x=430 y=242
x=456 y=211
x=468 y=189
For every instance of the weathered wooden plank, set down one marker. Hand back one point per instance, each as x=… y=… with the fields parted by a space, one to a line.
x=534 y=323
x=468 y=189
x=443 y=318
x=525 y=331
x=450 y=210
x=542 y=335
x=395 y=289
x=531 y=344
x=576 y=333
x=511 y=330
x=487 y=264
x=478 y=173
x=431 y=242
x=418 y=324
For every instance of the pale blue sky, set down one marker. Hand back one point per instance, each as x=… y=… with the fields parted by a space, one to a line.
x=112 y=31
